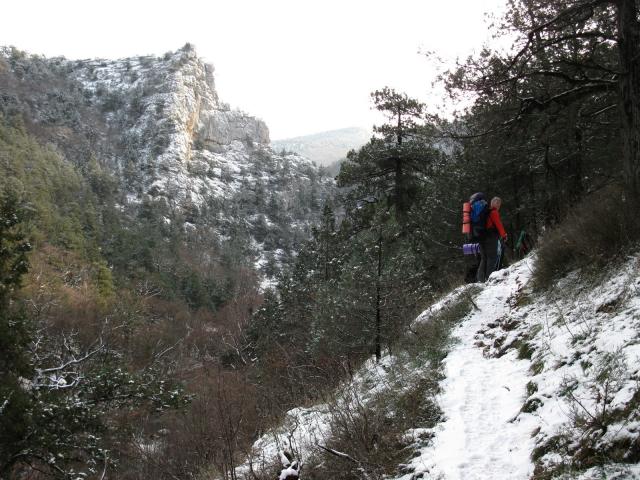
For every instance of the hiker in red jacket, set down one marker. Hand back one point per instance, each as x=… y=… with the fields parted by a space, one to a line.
x=490 y=242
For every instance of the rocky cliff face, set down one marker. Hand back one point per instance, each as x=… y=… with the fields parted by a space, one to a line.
x=157 y=126
x=171 y=121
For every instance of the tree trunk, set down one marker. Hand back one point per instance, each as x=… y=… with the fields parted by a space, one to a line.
x=378 y=341
x=575 y=165
x=629 y=90
x=399 y=190
x=399 y=180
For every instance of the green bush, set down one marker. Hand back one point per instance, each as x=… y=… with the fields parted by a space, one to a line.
x=62 y=205
x=601 y=227
x=429 y=340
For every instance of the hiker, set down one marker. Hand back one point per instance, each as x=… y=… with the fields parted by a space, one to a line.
x=490 y=242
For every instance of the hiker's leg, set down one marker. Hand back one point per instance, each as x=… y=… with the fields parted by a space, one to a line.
x=491 y=247
x=481 y=276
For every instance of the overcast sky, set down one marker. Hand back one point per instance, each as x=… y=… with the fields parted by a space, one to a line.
x=303 y=66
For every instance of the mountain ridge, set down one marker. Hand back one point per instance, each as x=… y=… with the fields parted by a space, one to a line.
x=325 y=147
x=158 y=126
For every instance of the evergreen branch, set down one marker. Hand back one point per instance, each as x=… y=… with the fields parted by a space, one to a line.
x=587 y=7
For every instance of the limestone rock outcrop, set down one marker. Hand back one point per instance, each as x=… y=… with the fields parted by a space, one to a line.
x=159 y=128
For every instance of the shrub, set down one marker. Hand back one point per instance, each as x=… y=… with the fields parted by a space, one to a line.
x=369 y=436
x=112 y=102
x=429 y=339
x=213 y=435
x=525 y=351
x=599 y=229
x=584 y=444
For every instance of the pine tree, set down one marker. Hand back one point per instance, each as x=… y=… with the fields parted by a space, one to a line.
x=15 y=365
x=570 y=89
x=392 y=165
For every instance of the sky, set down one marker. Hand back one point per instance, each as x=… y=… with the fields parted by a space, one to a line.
x=303 y=66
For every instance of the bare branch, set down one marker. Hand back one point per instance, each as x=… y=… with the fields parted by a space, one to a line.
x=106 y=462
x=73 y=361
x=346 y=456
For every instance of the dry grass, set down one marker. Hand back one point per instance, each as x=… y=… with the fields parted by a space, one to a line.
x=602 y=227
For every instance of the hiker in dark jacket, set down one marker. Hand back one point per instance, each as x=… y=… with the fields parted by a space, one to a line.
x=489 y=244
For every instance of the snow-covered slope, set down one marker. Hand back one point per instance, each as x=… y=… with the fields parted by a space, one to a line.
x=535 y=385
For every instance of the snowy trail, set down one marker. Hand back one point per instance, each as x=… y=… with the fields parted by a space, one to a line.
x=482 y=437
x=569 y=332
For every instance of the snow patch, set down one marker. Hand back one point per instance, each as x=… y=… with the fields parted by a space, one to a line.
x=524 y=366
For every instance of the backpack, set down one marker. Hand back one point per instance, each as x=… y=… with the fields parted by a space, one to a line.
x=479 y=215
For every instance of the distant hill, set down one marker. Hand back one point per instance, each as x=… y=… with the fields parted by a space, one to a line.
x=325 y=148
